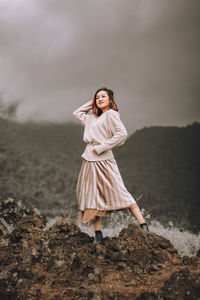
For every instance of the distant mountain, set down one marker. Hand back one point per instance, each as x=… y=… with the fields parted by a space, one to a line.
x=163 y=164
x=40 y=163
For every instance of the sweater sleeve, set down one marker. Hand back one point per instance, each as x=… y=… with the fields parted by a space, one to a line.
x=119 y=132
x=81 y=112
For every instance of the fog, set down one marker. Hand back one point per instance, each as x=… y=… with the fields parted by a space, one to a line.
x=54 y=55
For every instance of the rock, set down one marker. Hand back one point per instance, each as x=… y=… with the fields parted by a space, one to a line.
x=12 y=211
x=198 y=253
x=76 y=263
x=4 y=227
x=91 y=277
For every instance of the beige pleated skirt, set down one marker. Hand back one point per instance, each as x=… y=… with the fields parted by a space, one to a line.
x=101 y=190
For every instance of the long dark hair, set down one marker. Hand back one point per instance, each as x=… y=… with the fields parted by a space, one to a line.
x=97 y=111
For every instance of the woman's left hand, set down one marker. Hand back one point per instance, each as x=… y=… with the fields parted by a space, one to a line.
x=94 y=150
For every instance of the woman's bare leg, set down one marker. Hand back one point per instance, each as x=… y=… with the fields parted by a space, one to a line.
x=97 y=223
x=138 y=215
x=136 y=212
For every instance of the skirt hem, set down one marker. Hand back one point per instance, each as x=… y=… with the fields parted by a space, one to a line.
x=91 y=213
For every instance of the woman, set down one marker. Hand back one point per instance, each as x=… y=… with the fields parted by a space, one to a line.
x=100 y=188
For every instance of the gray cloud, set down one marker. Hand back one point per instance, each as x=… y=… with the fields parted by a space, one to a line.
x=55 y=54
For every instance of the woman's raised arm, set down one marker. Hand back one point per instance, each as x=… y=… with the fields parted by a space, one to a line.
x=81 y=112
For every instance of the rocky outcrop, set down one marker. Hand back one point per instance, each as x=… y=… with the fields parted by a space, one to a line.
x=64 y=263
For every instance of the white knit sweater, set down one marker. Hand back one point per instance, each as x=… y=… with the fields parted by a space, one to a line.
x=101 y=133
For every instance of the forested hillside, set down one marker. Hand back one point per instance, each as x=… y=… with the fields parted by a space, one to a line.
x=163 y=163
x=40 y=163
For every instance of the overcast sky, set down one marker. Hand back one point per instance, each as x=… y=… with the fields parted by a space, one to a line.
x=54 y=55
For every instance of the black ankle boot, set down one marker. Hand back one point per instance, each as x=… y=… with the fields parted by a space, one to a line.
x=144 y=227
x=98 y=237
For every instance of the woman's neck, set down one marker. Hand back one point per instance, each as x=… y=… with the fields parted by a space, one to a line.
x=103 y=111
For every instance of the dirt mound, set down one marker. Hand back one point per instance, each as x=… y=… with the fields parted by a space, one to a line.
x=65 y=263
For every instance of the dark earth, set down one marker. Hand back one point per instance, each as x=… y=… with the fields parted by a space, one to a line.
x=62 y=262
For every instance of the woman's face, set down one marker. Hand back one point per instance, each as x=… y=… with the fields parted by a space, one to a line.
x=102 y=100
